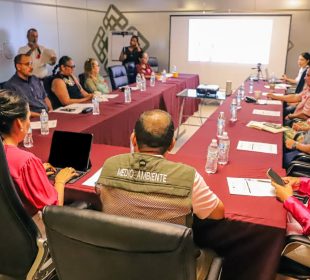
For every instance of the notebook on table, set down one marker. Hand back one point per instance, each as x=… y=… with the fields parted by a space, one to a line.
x=71 y=149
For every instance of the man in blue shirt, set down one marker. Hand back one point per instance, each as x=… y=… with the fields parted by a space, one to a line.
x=29 y=86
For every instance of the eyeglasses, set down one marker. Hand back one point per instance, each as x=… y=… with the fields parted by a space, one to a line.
x=26 y=63
x=70 y=66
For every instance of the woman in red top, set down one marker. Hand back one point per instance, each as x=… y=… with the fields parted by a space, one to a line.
x=144 y=68
x=27 y=171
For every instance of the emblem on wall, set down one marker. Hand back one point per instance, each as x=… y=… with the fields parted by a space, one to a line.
x=113 y=20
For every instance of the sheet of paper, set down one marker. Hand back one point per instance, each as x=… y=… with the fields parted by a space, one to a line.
x=75 y=108
x=37 y=125
x=268 y=102
x=250 y=187
x=91 y=181
x=279 y=86
x=276 y=94
x=266 y=113
x=110 y=95
x=257 y=147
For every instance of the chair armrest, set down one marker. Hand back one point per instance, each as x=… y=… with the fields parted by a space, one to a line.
x=298 y=169
x=215 y=270
x=302 y=157
x=298 y=238
x=80 y=204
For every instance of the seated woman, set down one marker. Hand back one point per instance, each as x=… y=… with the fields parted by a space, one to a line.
x=94 y=82
x=303 y=63
x=298 y=221
x=143 y=67
x=65 y=87
x=27 y=171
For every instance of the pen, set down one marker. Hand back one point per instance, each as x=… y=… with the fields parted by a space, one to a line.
x=246 y=181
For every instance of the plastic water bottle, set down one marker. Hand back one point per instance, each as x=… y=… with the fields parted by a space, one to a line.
x=241 y=89
x=28 y=141
x=224 y=144
x=251 y=87
x=44 y=122
x=127 y=94
x=212 y=157
x=96 y=108
x=233 y=110
x=138 y=81
x=220 y=124
x=143 y=83
x=164 y=76
x=239 y=98
x=152 y=80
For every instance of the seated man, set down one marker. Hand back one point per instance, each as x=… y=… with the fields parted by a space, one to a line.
x=302 y=110
x=144 y=184
x=28 y=86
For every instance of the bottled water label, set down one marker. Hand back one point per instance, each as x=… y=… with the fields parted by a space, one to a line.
x=96 y=108
x=44 y=122
x=28 y=141
x=127 y=95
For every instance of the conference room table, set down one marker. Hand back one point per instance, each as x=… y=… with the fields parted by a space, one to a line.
x=117 y=119
x=252 y=224
x=252 y=234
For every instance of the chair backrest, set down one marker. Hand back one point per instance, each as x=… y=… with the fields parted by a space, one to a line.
x=153 y=62
x=82 y=80
x=301 y=83
x=2 y=85
x=86 y=244
x=118 y=76
x=18 y=234
x=131 y=71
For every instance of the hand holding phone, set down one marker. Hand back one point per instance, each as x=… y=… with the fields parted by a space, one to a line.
x=275 y=177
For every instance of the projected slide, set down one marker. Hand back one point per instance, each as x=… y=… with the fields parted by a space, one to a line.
x=244 y=41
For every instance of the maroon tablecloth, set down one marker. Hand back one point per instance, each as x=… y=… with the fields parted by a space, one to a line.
x=252 y=235
x=117 y=119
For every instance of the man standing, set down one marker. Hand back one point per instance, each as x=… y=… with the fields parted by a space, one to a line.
x=144 y=184
x=39 y=54
x=29 y=86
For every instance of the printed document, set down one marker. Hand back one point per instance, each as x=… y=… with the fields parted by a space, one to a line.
x=75 y=108
x=91 y=181
x=257 y=147
x=37 y=125
x=268 y=102
x=266 y=113
x=250 y=187
x=276 y=94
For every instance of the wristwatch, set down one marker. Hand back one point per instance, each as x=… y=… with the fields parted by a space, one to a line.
x=294 y=146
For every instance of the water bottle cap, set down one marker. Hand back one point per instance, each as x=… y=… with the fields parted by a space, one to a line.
x=225 y=134
x=214 y=141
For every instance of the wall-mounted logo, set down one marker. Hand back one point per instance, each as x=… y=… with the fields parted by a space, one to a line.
x=113 y=20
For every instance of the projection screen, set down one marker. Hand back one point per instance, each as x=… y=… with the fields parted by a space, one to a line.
x=227 y=47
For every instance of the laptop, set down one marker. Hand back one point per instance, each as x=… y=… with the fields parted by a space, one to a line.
x=71 y=149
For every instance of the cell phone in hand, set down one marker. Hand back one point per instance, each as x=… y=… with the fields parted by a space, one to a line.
x=275 y=177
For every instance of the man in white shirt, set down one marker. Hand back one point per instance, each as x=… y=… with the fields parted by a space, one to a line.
x=40 y=55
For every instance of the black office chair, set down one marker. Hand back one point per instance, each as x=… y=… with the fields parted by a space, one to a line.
x=23 y=252
x=131 y=71
x=86 y=244
x=290 y=267
x=82 y=79
x=118 y=76
x=153 y=62
x=2 y=85
x=299 y=167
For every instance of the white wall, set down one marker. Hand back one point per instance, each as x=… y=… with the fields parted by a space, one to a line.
x=69 y=26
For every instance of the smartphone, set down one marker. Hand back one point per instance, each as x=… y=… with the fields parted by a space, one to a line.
x=275 y=177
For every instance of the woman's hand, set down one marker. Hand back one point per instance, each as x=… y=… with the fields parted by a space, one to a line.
x=289 y=143
x=294 y=182
x=282 y=192
x=49 y=169
x=65 y=175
